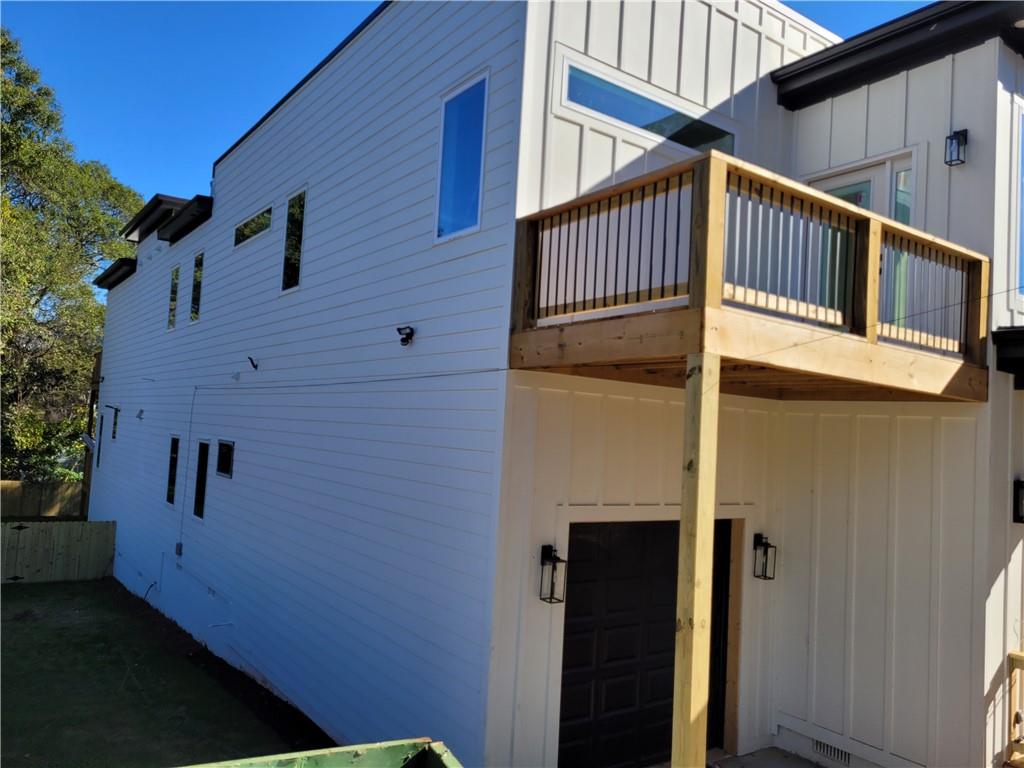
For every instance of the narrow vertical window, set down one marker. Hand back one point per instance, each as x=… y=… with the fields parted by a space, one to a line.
x=462 y=157
x=172 y=470
x=225 y=458
x=113 y=427
x=1020 y=207
x=201 y=463
x=99 y=441
x=197 y=286
x=172 y=304
x=293 y=241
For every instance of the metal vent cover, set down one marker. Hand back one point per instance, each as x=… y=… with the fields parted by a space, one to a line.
x=833 y=753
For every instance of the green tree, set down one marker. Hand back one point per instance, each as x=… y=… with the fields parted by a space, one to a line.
x=59 y=223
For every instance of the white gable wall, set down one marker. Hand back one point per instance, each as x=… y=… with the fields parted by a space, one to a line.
x=708 y=60
x=348 y=563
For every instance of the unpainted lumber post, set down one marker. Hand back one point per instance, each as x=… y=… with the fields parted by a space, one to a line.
x=707 y=231
x=976 y=340
x=696 y=551
x=866 y=269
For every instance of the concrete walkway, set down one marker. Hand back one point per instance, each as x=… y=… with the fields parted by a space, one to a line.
x=762 y=758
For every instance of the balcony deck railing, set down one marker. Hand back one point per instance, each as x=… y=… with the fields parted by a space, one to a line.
x=778 y=247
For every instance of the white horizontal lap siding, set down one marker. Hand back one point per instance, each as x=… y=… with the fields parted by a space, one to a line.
x=704 y=59
x=348 y=562
x=879 y=511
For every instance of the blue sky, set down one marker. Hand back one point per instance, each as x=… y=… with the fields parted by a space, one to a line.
x=158 y=90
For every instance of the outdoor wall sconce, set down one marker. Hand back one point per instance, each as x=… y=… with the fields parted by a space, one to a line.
x=956 y=148
x=552 y=587
x=1018 y=501
x=764 y=558
x=405 y=333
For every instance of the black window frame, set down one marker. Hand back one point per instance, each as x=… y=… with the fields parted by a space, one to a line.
x=230 y=452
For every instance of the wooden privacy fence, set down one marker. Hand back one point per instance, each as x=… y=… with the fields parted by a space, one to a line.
x=58 y=550
x=29 y=500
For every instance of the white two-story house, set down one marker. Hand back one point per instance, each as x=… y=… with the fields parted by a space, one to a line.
x=598 y=384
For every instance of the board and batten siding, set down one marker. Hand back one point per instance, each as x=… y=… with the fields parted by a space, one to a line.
x=869 y=639
x=348 y=563
x=707 y=59
x=587 y=450
x=911 y=113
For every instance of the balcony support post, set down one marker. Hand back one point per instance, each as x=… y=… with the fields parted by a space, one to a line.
x=707 y=231
x=866 y=279
x=696 y=550
x=524 y=291
x=976 y=332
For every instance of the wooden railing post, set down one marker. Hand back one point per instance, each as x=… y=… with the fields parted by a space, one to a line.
x=707 y=231
x=524 y=290
x=976 y=333
x=696 y=552
x=866 y=279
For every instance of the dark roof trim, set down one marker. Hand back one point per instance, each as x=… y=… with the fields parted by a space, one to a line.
x=326 y=60
x=154 y=213
x=917 y=38
x=198 y=210
x=1009 y=343
x=115 y=274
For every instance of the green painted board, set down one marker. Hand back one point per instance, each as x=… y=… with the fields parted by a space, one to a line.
x=410 y=753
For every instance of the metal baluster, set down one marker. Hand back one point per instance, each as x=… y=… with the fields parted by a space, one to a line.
x=664 y=241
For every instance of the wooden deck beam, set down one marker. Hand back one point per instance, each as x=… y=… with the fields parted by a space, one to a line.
x=764 y=340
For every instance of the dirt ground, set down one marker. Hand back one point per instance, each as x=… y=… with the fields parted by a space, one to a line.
x=91 y=677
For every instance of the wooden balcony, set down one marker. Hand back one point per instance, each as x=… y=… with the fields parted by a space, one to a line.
x=800 y=294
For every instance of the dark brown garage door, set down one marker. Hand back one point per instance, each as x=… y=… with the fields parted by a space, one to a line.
x=617 y=663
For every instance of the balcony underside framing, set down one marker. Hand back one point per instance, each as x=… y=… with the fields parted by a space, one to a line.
x=762 y=356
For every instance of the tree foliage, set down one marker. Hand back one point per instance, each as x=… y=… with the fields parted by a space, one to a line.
x=59 y=223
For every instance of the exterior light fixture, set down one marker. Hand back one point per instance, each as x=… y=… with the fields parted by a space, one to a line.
x=764 y=558
x=552 y=585
x=405 y=333
x=1018 y=501
x=956 y=148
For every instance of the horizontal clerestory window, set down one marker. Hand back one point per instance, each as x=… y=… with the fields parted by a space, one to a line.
x=249 y=228
x=613 y=100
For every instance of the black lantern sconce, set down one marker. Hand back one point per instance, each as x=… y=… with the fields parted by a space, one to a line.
x=552 y=584
x=956 y=148
x=1018 y=501
x=764 y=558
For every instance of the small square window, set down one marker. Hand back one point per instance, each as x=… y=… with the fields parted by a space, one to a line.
x=225 y=458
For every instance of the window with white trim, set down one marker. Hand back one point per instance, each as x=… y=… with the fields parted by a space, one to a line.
x=460 y=180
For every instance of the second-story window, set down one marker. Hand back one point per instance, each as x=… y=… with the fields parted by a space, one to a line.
x=172 y=304
x=293 y=241
x=462 y=158
x=253 y=226
x=197 y=286
x=613 y=100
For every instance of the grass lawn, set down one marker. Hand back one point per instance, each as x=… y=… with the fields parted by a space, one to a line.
x=92 y=677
